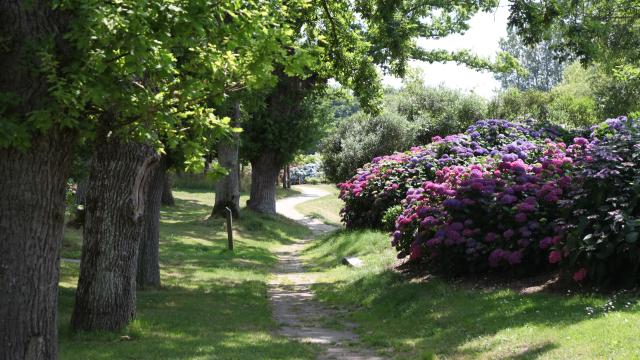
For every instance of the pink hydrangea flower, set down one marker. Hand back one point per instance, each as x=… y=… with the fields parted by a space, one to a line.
x=555 y=256
x=580 y=275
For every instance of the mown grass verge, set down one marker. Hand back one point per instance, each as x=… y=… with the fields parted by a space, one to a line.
x=212 y=304
x=407 y=318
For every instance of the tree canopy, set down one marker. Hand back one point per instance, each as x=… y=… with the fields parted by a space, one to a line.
x=543 y=68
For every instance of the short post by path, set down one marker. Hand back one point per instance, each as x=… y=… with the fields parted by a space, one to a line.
x=229 y=228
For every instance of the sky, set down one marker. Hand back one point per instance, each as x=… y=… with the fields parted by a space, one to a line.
x=482 y=38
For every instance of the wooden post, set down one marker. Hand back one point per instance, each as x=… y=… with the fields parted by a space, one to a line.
x=229 y=229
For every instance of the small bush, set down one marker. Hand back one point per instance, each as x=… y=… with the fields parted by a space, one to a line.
x=390 y=216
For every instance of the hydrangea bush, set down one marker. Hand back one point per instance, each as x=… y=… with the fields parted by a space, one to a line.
x=603 y=228
x=384 y=182
x=511 y=197
x=498 y=213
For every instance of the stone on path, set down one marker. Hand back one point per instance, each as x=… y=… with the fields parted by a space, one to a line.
x=352 y=261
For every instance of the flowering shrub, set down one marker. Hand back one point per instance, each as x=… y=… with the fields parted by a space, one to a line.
x=508 y=197
x=602 y=243
x=380 y=185
x=384 y=182
x=495 y=214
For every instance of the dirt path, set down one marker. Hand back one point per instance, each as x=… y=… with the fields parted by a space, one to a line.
x=294 y=308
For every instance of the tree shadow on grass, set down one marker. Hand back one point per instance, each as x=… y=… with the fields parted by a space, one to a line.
x=189 y=240
x=438 y=317
x=216 y=320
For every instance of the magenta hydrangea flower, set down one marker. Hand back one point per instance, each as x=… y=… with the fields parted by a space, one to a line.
x=521 y=217
x=508 y=234
x=514 y=258
x=490 y=237
x=555 y=256
x=495 y=257
x=580 y=275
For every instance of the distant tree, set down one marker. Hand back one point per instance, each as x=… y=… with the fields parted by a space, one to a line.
x=346 y=40
x=436 y=110
x=412 y=116
x=359 y=138
x=602 y=31
x=543 y=69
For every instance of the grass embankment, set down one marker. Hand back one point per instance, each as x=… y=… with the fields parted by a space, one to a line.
x=213 y=302
x=326 y=208
x=435 y=318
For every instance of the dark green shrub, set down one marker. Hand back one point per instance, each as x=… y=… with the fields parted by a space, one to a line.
x=361 y=137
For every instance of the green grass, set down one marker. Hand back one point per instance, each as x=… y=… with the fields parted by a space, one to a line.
x=213 y=302
x=326 y=208
x=438 y=319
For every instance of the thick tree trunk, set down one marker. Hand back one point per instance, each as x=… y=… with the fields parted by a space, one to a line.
x=32 y=189
x=32 y=183
x=264 y=172
x=119 y=179
x=167 y=194
x=228 y=187
x=148 y=253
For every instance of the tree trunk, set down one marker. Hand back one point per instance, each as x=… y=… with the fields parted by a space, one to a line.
x=167 y=194
x=81 y=192
x=264 y=172
x=79 y=201
x=207 y=164
x=287 y=170
x=148 y=251
x=119 y=180
x=228 y=187
x=32 y=189
x=32 y=182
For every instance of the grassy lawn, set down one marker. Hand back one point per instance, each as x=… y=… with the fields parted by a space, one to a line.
x=213 y=302
x=326 y=208
x=436 y=319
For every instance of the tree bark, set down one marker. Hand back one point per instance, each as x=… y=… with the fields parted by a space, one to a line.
x=264 y=172
x=81 y=192
x=119 y=180
x=32 y=189
x=32 y=183
x=149 y=248
x=167 y=194
x=228 y=187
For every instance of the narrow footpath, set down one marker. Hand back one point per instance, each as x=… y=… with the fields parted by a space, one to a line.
x=294 y=309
